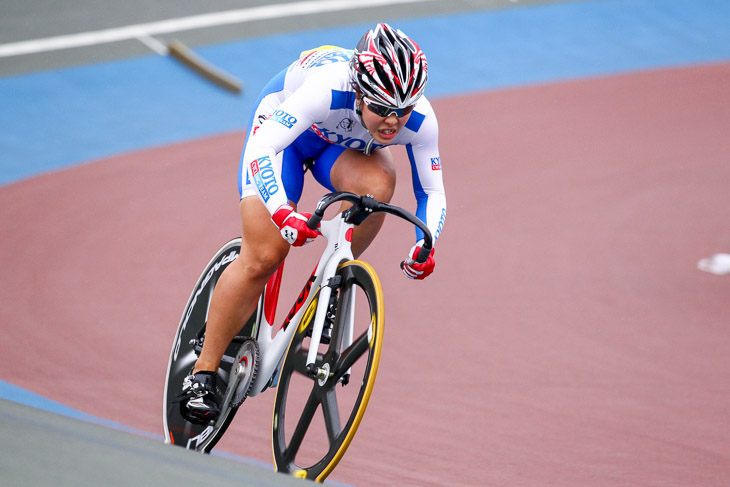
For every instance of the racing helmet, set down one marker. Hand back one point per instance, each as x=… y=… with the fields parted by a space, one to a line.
x=388 y=68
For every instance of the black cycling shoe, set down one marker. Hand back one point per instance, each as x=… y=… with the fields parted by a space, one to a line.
x=198 y=403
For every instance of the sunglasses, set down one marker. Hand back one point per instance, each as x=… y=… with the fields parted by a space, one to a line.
x=384 y=111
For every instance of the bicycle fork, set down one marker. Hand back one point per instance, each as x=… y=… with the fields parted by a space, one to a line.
x=334 y=231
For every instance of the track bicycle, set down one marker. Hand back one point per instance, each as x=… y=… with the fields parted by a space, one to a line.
x=323 y=358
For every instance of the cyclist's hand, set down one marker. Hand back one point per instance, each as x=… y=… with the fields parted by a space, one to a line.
x=293 y=226
x=414 y=270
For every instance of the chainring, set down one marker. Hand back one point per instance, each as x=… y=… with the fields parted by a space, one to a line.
x=244 y=369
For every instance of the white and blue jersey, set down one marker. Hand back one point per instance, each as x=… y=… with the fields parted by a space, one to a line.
x=307 y=114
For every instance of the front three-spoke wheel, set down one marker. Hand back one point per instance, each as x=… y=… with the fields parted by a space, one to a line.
x=315 y=418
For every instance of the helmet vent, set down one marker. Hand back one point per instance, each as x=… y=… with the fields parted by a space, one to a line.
x=389 y=68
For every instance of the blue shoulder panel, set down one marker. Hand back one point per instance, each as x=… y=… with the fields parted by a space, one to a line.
x=342 y=99
x=414 y=123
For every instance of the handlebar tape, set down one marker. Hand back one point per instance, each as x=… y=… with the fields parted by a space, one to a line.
x=313 y=221
x=423 y=254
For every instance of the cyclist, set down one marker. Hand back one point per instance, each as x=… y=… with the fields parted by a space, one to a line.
x=334 y=112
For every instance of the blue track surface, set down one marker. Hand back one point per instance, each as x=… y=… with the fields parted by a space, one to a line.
x=58 y=118
x=23 y=396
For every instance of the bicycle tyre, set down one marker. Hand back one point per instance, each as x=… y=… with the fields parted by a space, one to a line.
x=184 y=353
x=361 y=358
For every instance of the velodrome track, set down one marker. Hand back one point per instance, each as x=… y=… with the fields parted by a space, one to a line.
x=566 y=338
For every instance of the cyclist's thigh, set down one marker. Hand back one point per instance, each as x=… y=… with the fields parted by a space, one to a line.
x=262 y=247
x=359 y=173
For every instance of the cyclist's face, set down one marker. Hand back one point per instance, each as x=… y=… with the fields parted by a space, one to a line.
x=384 y=129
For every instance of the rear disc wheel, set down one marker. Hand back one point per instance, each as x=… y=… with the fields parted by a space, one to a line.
x=185 y=350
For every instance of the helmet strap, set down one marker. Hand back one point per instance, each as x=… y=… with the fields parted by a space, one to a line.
x=358 y=110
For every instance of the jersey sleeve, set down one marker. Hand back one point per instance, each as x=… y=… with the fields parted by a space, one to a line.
x=426 y=171
x=305 y=106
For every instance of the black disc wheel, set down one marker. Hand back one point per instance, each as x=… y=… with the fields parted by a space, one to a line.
x=316 y=416
x=185 y=350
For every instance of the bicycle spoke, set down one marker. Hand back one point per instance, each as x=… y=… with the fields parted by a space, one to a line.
x=331 y=413
x=302 y=425
x=351 y=354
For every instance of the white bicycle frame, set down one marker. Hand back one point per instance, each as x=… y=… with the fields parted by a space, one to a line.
x=311 y=307
x=272 y=348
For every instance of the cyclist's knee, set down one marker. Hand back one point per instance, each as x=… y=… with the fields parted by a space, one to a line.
x=262 y=247
x=259 y=263
x=379 y=182
x=373 y=175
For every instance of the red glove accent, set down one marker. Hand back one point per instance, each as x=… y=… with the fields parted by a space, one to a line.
x=414 y=270
x=293 y=226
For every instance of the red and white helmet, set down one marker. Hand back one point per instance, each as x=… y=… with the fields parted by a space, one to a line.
x=389 y=68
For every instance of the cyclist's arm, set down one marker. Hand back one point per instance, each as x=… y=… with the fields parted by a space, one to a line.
x=295 y=115
x=428 y=184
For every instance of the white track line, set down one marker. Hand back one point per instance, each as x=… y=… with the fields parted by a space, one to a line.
x=154 y=44
x=145 y=31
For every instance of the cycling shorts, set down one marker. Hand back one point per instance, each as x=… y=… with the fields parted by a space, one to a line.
x=308 y=150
